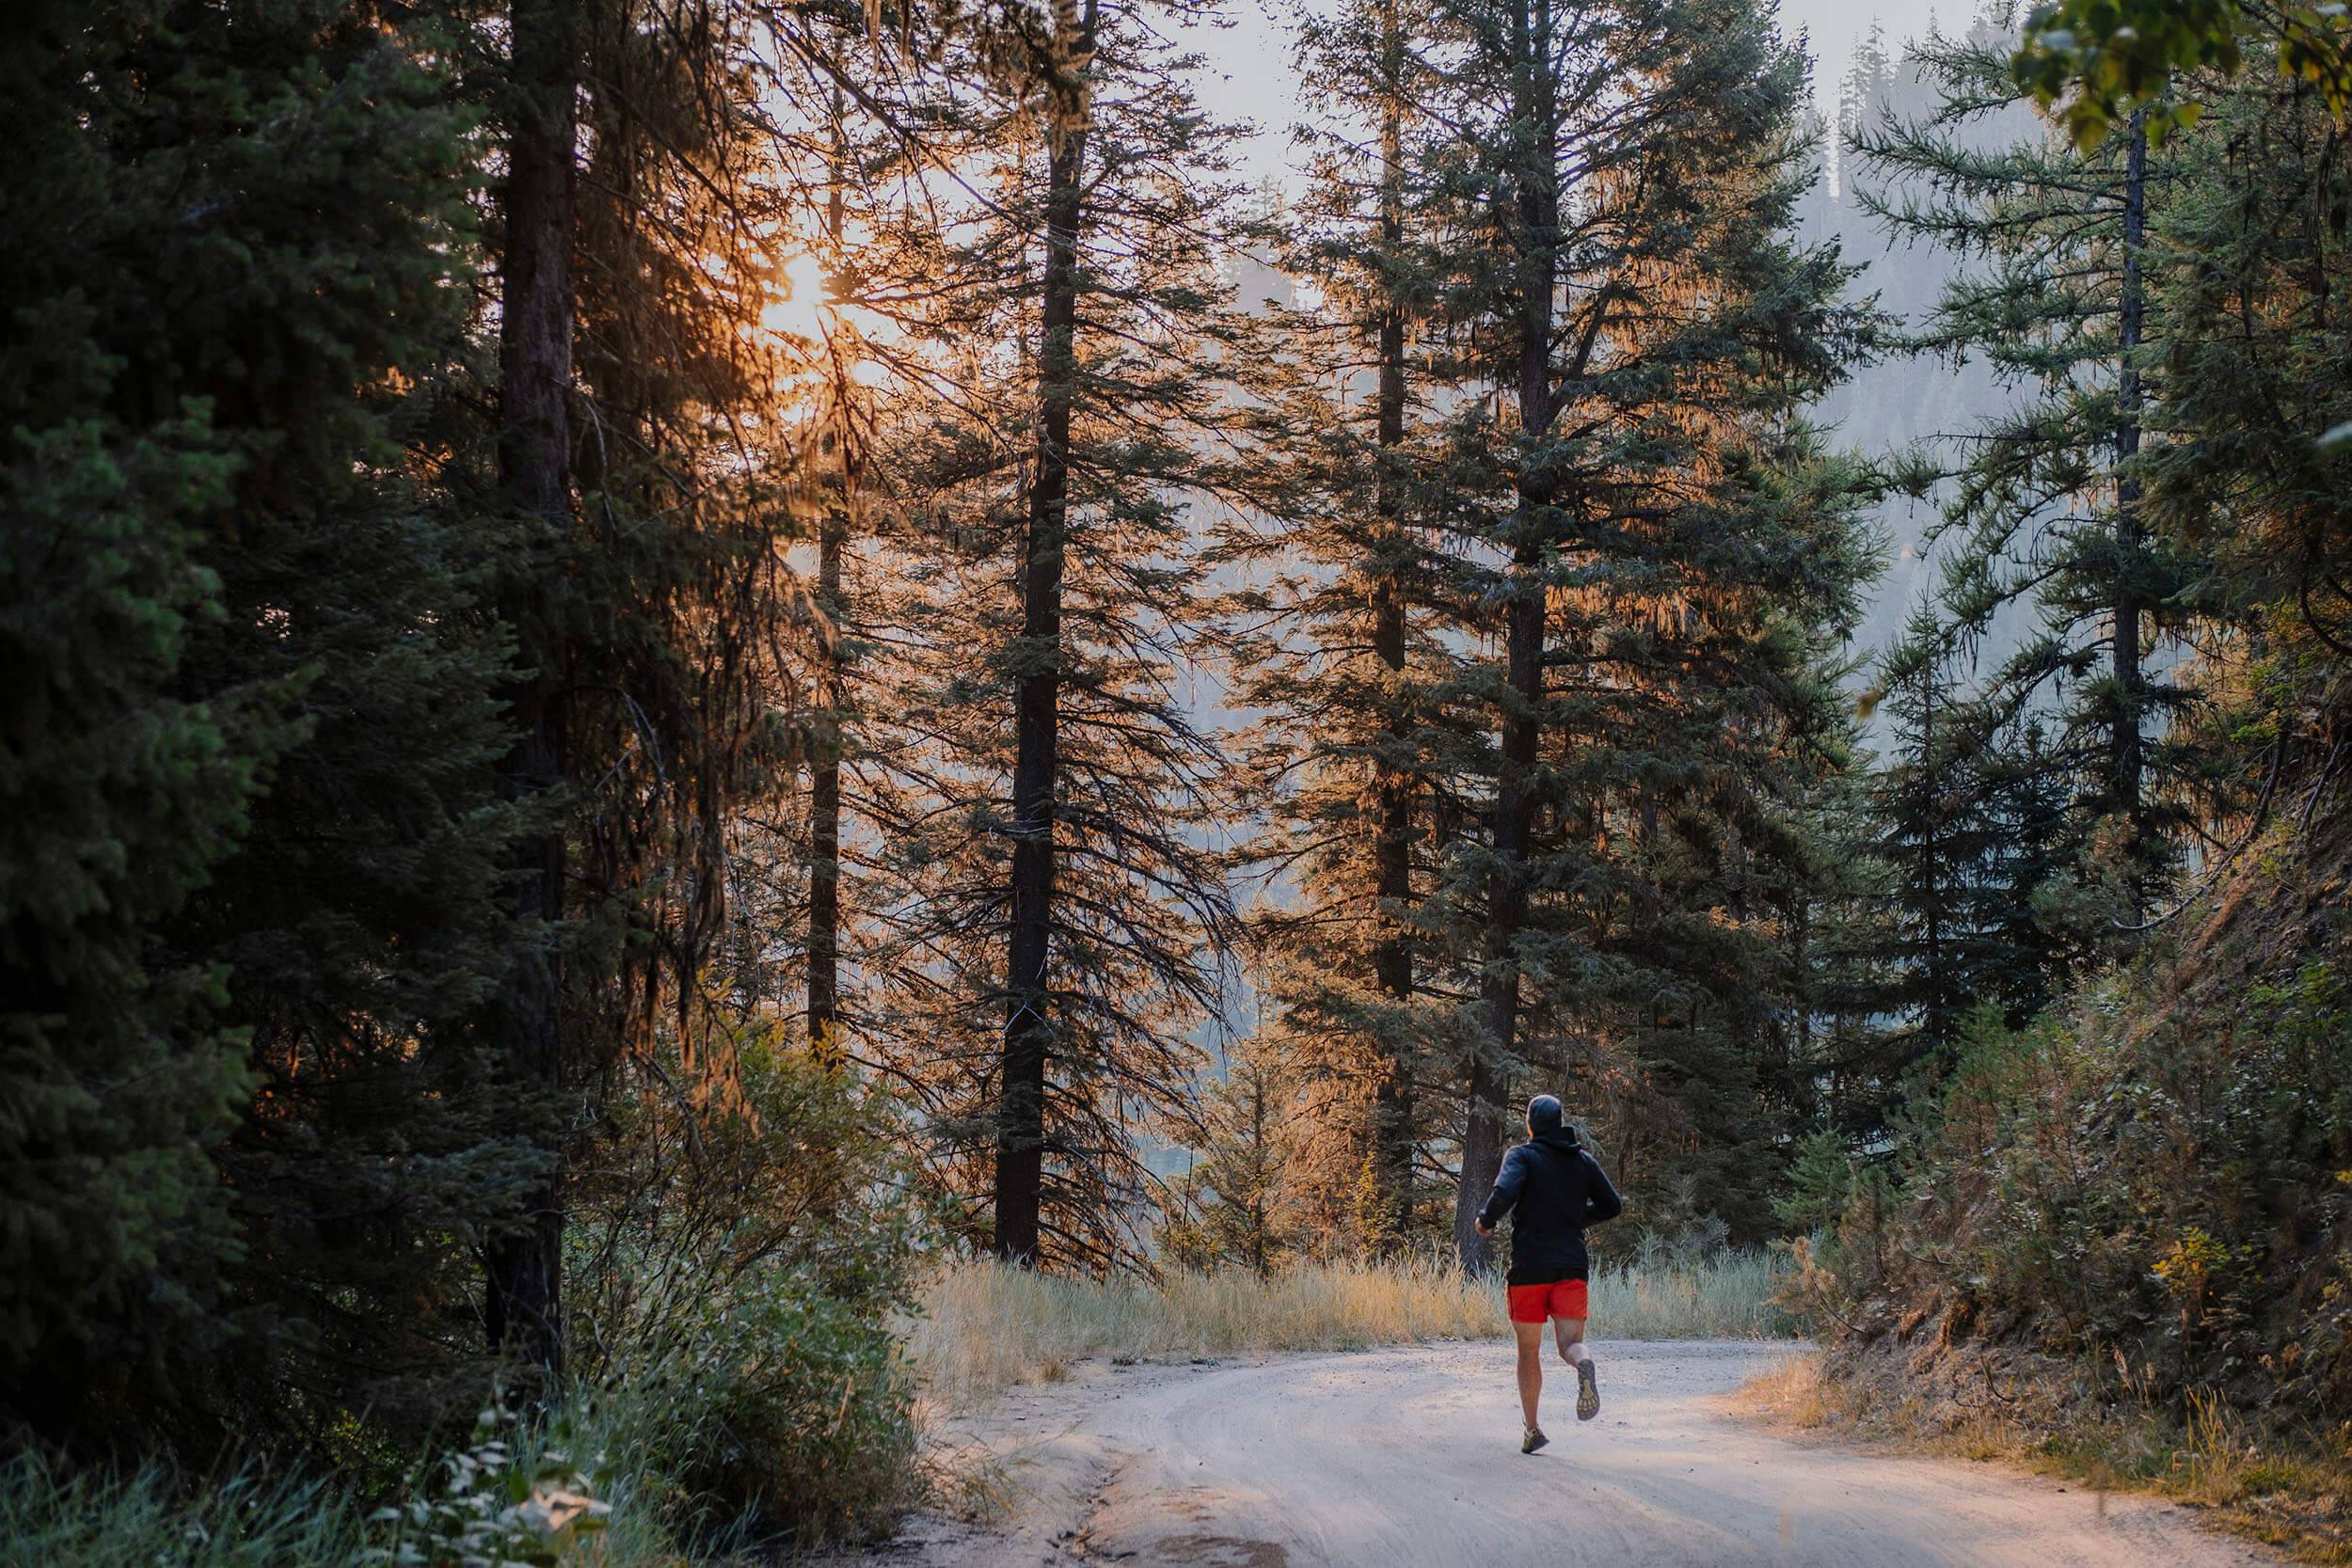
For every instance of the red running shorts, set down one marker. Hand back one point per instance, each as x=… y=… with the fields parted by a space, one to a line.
x=1559 y=1298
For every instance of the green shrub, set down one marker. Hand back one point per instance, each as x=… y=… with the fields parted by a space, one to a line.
x=736 y=1272
x=771 y=1407
x=2160 y=1189
x=517 y=1496
x=740 y=1271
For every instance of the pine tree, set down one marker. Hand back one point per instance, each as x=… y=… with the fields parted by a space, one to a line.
x=1945 y=880
x=845 y=444
x=2034 y=880
x=1863 y=95
x=1056 y=905
x=1940 y=837
x=847 y=153
x=1338 y=641
x=1019 y=1197
x=246 y=383
x=653 y=583
x=523 y=1262
x=2256 y=419
x=124 y=786
x=1846 y=970
x=1663 y=541
x=1240 y=1191
x=2044 y=506
x=859 y=133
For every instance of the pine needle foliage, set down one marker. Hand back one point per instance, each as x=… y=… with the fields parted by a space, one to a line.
x=1339 y=622
x=266 y=663
x=2047 y=544
x=1057 y=912
x=1659 y=553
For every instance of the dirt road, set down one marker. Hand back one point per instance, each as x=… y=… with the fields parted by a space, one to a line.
x=1410 y=1457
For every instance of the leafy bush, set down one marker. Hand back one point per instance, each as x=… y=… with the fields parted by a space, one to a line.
x=737 y=1271
x=510 y=1498
x=2161 y=1188
x=741 y=1270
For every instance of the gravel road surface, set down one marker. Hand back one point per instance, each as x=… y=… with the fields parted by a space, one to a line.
x=1409 y=1456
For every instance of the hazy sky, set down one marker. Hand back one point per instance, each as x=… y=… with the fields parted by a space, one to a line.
x=1249 y=75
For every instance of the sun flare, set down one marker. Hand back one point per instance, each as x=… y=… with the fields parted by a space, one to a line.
x=806 y=309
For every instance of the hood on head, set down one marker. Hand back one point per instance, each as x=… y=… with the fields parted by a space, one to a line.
x=1543 y=1115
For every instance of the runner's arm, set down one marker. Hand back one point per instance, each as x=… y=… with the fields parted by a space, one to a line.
x=1601 y=1201
x=1507 y=1185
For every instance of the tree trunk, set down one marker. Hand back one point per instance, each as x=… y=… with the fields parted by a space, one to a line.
x=1507 y=904
x=1029 y=1023
x=824 y=817
x=2124 y=753
x=523 y=1309
x=824 y=820
x=1537 y=201
x=1392 y=958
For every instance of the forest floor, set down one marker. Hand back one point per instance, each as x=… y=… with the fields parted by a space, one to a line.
x=1383 y=1458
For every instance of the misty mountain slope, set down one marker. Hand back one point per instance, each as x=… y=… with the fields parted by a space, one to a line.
x=1900 y=401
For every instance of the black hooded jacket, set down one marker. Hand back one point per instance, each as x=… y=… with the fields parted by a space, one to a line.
x=1558 y=1189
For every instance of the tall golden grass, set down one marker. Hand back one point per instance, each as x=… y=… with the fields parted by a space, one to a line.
x=986 y=1325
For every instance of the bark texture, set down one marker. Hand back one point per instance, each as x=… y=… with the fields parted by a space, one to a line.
x=1020 y=1178
x=523 y=1302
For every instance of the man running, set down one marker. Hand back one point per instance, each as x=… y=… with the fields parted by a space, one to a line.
x=1558 y=1189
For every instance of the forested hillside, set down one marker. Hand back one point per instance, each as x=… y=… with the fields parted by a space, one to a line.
x=2119 y=822
x=1892 y=402
x=608 y=771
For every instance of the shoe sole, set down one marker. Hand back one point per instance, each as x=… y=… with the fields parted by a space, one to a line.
x=1587 y=1393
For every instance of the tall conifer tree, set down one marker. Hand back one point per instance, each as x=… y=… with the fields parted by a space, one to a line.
x=2043 y=510
x=238 y=370
x=547 y=57
x=1665 y=541
x=1939 y=836
x=1056 y=906
x=653 y=583
x=2254 y=366
x=1337 y=641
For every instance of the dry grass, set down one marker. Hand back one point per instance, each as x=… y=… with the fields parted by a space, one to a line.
x=2292 y=1490
x=988 y=1325
x=1728 y=1295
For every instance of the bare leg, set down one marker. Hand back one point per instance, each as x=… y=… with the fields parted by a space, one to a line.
x=1569 y=1333
x=1531 y=1338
